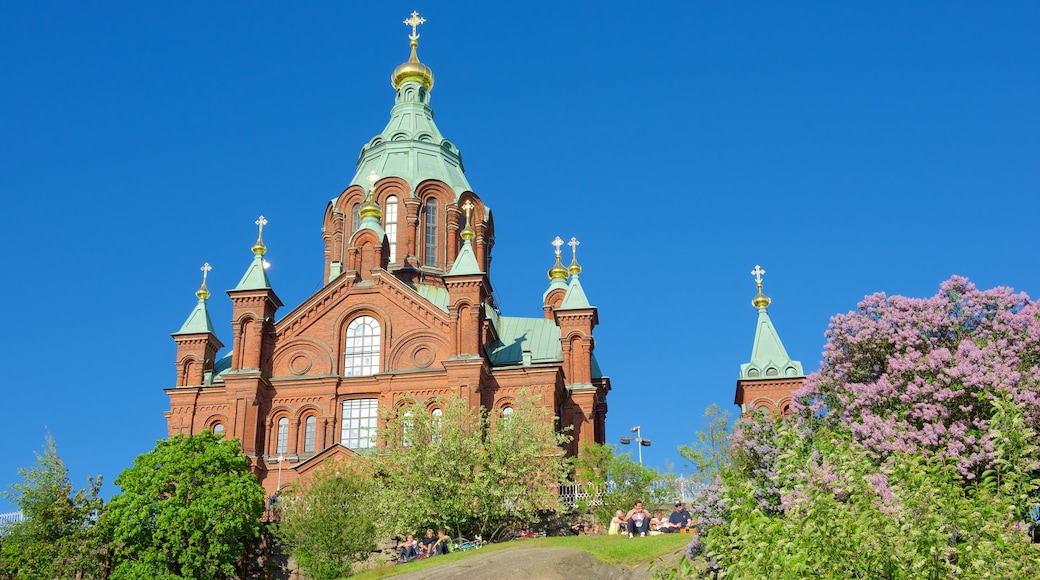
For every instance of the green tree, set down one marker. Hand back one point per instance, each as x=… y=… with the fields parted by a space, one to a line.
x=57 y=538
x=328 y=522
x=709 y=454
x=468 y=472
x=188 y=509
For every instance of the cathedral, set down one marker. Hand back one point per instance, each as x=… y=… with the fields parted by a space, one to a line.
x=405 y=313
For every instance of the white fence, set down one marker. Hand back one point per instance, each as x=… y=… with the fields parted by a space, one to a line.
x=9 y=519
x=662 y=490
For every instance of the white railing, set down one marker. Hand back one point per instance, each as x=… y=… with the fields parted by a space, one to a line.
x=9 y=519
x=670 y=489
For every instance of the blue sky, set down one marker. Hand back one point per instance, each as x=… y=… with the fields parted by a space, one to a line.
x=846 y=147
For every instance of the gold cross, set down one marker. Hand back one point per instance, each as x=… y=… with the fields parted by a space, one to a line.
x=261 y=222
x=468 y=206
x=757 y=273
x=557 y=242
x=414 y=21
x=205 y=270
x=574 y=246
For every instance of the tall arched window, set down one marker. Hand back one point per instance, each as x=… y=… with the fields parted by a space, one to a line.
x=283 y=436
x=438 y=417
x=355 y=217
x=362 y=348
x=308 y=434
x=390 y=226
x=430 y=247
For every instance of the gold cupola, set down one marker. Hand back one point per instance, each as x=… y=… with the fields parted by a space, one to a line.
x=558 y=271
x=413 y=70
x=760 y=300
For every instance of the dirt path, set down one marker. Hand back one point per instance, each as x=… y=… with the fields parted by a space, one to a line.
x=529 y=564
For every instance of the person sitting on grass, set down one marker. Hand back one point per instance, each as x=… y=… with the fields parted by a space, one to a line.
x=426 y=544
x=408 y=549
x=638 y=520
x=443 y=543
x=680 y=518
x=617 y=524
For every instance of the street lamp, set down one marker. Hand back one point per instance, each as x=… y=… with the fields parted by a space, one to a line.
x=278 y=487
x=639 y=441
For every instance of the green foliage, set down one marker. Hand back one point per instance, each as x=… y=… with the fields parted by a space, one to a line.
x=845 y=516
x=467 y=472
x=188 y=509
x=709 y=454
x=328 y=523
x=58 y=538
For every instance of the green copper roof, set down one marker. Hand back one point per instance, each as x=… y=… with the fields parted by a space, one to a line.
x=198 y=321
x=411 y=146
x=769 y=359
x=575 y=296
x=539 y=337
x=255 y=277
x=465 y=262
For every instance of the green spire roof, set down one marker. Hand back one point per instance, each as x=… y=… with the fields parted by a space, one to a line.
x=466 y=261
x=198 y=321
x=554 y=283
x=769 y=358
x=255 y=277
x=575 y=297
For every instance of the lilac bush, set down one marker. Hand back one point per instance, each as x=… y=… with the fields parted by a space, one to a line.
x=912 y=374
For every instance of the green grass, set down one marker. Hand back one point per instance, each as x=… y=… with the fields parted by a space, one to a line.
x=613 y=550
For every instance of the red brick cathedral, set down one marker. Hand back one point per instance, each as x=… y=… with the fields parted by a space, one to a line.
x=406 y=310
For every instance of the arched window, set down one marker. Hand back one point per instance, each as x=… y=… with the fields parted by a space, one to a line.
x=283 y=436
x=507 y=412
x=362 y=348
x=438 y=416
x=355 y=217
x=310 y=429
x=218 y=429
x=406 y=428
x=390 y=226
x=430 y=247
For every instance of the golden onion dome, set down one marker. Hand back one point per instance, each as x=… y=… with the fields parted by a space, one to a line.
x=760 y=300
x=412 y=71
x=558 y=271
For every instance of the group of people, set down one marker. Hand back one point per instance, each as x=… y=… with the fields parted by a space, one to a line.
x=430 y=545
x=639 y=521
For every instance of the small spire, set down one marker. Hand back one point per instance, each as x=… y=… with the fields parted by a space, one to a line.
x=371 y=208
x=760 y=300
x=203 y=292
x=259 y=248
x=557 y=271
x=574 y=268
x=467 y=232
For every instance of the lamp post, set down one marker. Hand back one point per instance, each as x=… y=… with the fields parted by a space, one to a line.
x=639 y=441
x=278 y=487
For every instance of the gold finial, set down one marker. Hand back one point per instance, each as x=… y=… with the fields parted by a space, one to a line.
x=413 y=70
x=574 y=268
x=259 y=247
x=557 y=271
x=203 y=292
x=467 y=232
x=371 y=208
x=760 y=300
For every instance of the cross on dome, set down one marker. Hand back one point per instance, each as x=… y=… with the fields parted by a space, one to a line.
x=757 y=273
x=557 y=242
x=414 y=21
